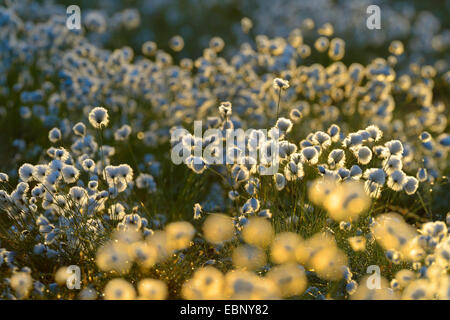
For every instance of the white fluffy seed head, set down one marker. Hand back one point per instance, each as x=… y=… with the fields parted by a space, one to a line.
x=396 y=180
x=122 y=133
x=26 y=172
x=54 y=135
x=279 y=83
x=395 y=147
x=364 y=155
x=411 y=185
x=98 y=117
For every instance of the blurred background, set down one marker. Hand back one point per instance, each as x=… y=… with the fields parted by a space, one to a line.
x=198 y=20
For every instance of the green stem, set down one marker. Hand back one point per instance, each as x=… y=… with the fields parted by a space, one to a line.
x=425 y=207
x=278 y=105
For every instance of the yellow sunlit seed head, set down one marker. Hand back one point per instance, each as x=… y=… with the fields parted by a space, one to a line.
x=290 y=279
x=248 y=257
x=218 y=228
x=371 y=287
x=206 y=283
x=284 y=246
x=258 y=232
x=393 y=233
x=119 y=289
x=152 y=289
x=329 y=262
x=358 y=243
x=347 y=201
x=179 y=235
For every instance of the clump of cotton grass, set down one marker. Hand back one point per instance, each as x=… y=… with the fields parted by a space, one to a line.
x=248 y=257
x=218 y=228
x=261 y=287
x=179 y=235
x=196 y=164
x=321 y=253
x=217 y=44
x=284 y=126
x=280 y=84
x=21 y=283
x=395 y=147
x=98 y=118
x=114 y=257
x=392 y=164
x=246 y=24
x=225 y=109
x=366 y=291
x=176 y=43
x=309 y=155
x=393 y=233
x=343 y=201
x=152 y=289
x=358 y=243
x=88 y=165
x=79 y=129
x=149 y=48
x=293 y=171
x=198 y=210
x=375 y=133
x=404 y=277
x=26 y=172
x=336 y=158
x=396 y=180
x=381 y=152
x=258 y=232
x=321 y=138
x=70 y=174
x=289 y=278
x=287 y=149
x=122 y=133
x=62 y=275
x=375 y=175
x=351 y=287
x=334 y=132
x=321 y=44
x=280 y=181
x=363 y=154
x=411 y=185
x=295 y=115
x=337 y=49
x=422 y=174
x=375 y=180
x=119 y=289
x=207 y=283
x=320 y=189
x=88 y=293
x=4 y=177
x=284 y=246
x=425 y=137
x=353 y=140
x=417 y=290
x=54 y=135
x=345 y=226
x=355 y=172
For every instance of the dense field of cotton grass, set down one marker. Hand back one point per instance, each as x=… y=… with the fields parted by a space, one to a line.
x=89 y=129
